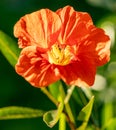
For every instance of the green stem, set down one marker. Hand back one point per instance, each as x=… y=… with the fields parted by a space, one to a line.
x=87 y=92
x=67 y=107
x=69 y=93
x=47 y=93
x=69 y=112
x=62 y=122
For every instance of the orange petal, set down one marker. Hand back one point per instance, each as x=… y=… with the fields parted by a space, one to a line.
x=75 y=25
x=35 y=68
x=39 y=27
x=96 y=47
x=81 y=73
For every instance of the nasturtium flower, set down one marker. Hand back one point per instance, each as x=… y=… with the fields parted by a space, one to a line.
x=60 y=45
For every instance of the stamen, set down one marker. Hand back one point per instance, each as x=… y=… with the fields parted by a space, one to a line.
x=59 y=56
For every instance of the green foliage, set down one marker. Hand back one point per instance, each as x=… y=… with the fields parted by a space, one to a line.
x=14 y=112
x=84 y=114
x=107 y=113
x=55 y=90
x=111 y=124
x=9 y=48
x=52 y=117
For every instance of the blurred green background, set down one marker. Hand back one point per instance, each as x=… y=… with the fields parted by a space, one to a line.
x=14 y=91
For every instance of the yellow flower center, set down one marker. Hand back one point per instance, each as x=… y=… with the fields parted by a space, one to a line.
x=59 y=56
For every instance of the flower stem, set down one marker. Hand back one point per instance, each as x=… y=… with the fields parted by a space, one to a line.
x=62 y=122
x=69 y=93
x=69 y=112
x=67 y=108
x=47 y=93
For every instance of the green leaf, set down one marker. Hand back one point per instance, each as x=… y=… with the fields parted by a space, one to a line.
x=107 y=113
x=85 y=114
x=52 y=117
x=111 y=124
x=54 y=89
x=9 y=48
x=14 y=112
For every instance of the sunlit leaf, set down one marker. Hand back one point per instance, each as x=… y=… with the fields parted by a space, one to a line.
x=84 y=114
x=91 y=127
x=14 y=112
x=52 y=117
x=9 y=48
x=111 y=125
x=107 y=113
x=54 y=89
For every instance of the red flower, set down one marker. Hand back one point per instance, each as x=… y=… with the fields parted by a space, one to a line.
x=60 y=45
